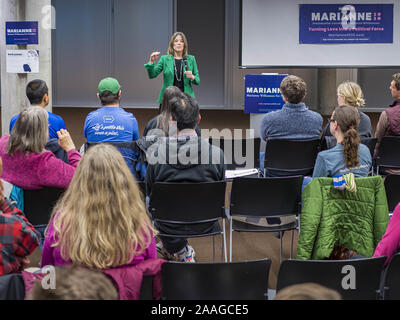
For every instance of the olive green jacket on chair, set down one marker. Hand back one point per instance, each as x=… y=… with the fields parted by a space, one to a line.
x=332 y=217
x=166 y=64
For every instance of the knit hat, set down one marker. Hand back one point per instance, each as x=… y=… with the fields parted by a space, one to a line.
x=109 y=84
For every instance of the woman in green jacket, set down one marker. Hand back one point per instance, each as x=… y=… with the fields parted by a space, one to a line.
x=179 y=68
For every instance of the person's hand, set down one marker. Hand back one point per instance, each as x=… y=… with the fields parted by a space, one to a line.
x=25 y=262
x=189 y=74
x=65 y=140
x=154 y=56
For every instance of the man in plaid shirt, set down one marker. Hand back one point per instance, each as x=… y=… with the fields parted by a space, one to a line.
x=18 y=238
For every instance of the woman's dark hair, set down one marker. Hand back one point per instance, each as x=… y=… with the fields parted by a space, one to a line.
x=163 y=118
x=348 y=120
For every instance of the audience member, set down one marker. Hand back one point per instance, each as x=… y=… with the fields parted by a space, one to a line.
x=18 y=238
x=166 y=165
x=294 y=121
x=389 y=120
x=38 y=95
x=390 y=242
x=76 y=283
x=349 y=94
x=307 y=291
x=111 y=123
x=161 y=121
x=348 y=155
x=101 y=221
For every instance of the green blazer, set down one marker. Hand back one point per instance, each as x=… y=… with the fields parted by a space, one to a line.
x=332 y=217
x=166 y=64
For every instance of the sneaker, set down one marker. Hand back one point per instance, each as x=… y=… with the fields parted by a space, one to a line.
x=164 y=253
x=187 y=254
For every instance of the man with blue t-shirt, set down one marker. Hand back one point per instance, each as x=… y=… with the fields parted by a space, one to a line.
x=38 y=95
x=111 y=123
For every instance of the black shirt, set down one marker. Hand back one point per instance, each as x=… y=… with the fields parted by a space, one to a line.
x=179 y=74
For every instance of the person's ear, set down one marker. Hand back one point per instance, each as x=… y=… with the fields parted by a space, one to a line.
x=98 y=96
x=199 y=119
x=46 y=99
x=119 y=94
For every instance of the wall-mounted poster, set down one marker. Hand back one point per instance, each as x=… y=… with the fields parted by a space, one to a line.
x=345 y=23
x=22 y=61
x=22 y=32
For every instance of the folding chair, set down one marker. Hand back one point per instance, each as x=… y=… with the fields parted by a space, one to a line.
x=246 y=280
x=239 y=153
x=392 y=187
x=388 y=153
x=354 y=279
x=391 y=279
x=290 y=157
x=264 y=198
x=190 y=204
x=12 y=287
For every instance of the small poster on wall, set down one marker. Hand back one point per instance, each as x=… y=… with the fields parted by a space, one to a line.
x=22 y=32
x=345 y=23
x=22 y=61
x=262 y=93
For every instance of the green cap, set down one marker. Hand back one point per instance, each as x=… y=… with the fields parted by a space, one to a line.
x=109 y=84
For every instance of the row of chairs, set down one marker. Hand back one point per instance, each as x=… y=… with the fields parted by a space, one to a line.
x=358 y=279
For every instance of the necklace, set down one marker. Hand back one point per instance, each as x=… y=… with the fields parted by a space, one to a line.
x=176 y=72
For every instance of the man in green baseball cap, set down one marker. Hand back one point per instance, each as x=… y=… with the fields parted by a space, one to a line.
x=111 y=123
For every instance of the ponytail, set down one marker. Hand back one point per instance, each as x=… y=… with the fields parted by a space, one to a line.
x=351 y=142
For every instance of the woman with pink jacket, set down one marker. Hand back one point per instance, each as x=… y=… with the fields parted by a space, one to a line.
x=26 y=163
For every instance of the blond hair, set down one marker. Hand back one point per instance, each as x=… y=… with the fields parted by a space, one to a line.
x=307 y=291
x=352 y=94
x=101 y=220
x=171 y=50
x=30 y=132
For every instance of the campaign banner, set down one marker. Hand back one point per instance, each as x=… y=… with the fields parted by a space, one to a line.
x=262 y=93
x=22 y=32
x=22 y=61
x=350 y=23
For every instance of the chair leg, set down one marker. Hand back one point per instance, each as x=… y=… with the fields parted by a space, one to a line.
x=224 y=240
x=280 y=253
x=230 y=240
x=291 y=245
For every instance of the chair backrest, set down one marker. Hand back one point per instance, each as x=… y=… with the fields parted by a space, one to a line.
x=38 y=204
x=353 y=279
x=266 y=196
x=389 y=152
x=370 y=143
x=392 y=187
x=187 y=202
x=247 y=280
x=12 y=287
x=291 y=157
x=391 y=279
x=239 y=153
x=146 y=290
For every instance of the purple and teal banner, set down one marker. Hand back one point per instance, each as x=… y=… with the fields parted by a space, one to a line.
x=22 y=32
x=262 y=93
x=345 y=23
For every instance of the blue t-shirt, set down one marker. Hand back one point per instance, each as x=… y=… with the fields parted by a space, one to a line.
x=113 y=124
x=331 y=163
x=55 y=124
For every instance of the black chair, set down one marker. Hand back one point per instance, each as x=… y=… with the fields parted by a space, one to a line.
x=290 y=157
x=12 y=287
x=370 y=143
x=391 y=279
x=264 y=198
x=388 y=153
x=354 y=279
x=142 y=188
x=246 y=280
x=146 y=290
x=392 y=188
x=38 y=204
x=239 y=153
x=190 y=204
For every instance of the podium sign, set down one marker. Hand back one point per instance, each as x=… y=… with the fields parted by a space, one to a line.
x=262 y=93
